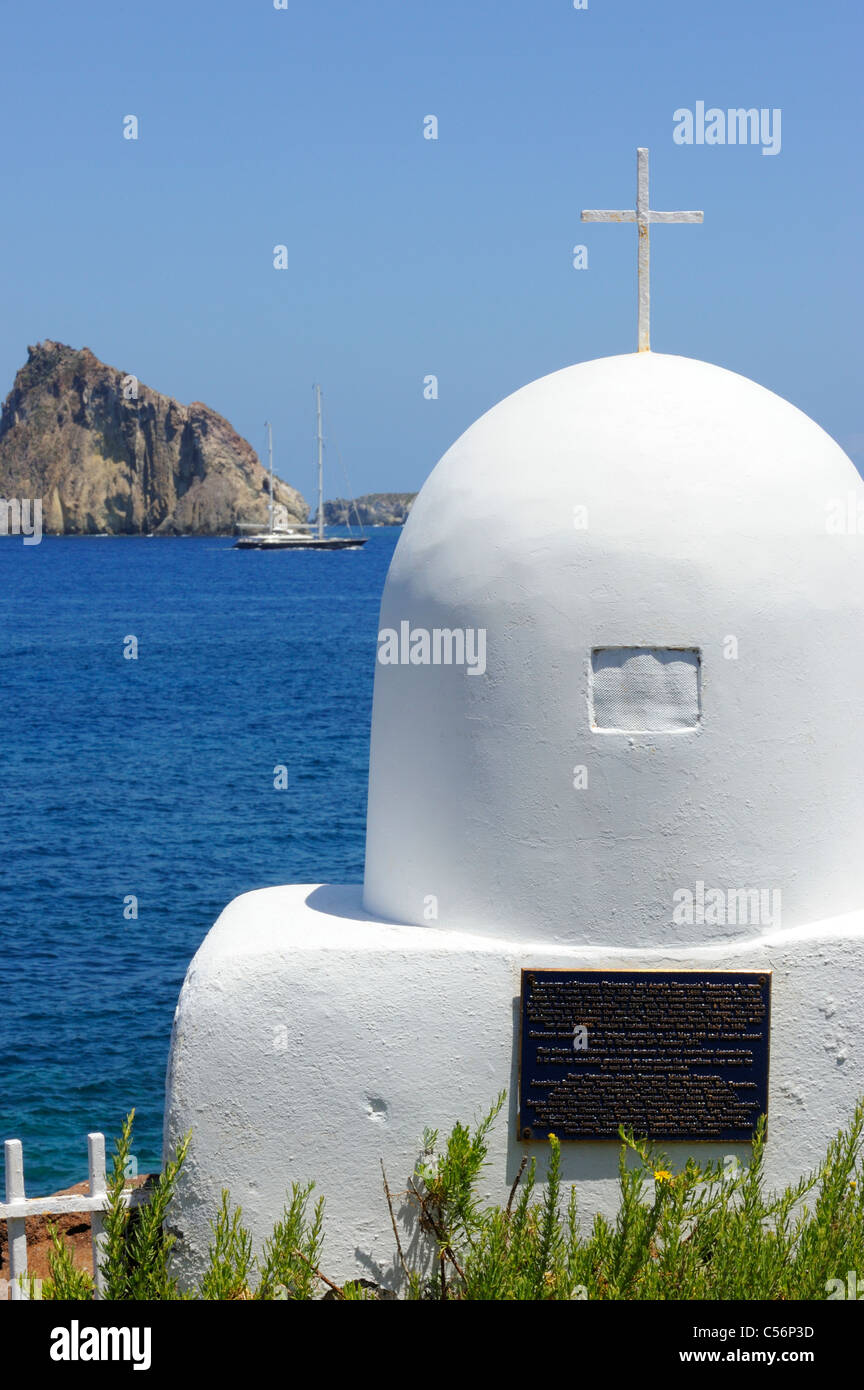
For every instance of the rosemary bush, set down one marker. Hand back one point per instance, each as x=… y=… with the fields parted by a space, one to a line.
x=705 y=1232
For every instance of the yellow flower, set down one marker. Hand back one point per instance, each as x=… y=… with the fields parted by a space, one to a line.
x=553 y=1136
x=663 y=1175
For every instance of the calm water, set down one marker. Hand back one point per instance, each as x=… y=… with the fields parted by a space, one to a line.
x=155 y=778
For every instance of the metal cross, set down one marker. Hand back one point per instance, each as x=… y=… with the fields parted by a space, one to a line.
x=644 y=216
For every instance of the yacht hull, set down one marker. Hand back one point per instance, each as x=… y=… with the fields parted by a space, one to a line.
x=299 y=543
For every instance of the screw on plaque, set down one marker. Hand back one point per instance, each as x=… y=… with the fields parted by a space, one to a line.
x=526 y=1133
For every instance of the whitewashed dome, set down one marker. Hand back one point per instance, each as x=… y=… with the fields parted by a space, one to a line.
x=618 y=529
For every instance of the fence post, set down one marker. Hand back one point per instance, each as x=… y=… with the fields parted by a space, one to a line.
x=98 y=1188
x=15 y=1226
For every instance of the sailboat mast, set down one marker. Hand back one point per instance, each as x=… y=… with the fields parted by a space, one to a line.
x=270 y=453
x=320 y=467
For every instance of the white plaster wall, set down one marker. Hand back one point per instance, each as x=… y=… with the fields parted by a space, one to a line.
x=310 y=1041
x=706 y=498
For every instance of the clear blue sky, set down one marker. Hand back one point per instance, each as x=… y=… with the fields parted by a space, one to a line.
x=304 y=127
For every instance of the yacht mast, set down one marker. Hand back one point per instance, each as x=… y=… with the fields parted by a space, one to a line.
x=270 y=453
x=320 y=467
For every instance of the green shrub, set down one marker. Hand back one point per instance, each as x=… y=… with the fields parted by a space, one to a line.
x=230 y=1265
x=705 y=1232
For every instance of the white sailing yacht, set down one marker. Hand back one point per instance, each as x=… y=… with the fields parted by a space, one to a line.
x=299 y=535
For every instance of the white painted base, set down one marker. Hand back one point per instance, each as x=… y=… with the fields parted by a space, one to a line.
x=311 y=1040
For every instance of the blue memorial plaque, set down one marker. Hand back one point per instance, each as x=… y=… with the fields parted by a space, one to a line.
x=671 y=1055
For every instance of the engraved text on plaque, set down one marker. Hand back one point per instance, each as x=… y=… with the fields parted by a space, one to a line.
x=670 y=1055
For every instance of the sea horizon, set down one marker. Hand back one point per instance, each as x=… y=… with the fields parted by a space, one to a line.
x=151 y=777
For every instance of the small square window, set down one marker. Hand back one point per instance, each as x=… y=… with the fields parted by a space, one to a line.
x=645 y=689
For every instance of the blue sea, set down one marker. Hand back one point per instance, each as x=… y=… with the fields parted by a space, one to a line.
x=155 y=778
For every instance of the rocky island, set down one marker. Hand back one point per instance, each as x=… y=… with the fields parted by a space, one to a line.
x=109 y=455
x=372 y=509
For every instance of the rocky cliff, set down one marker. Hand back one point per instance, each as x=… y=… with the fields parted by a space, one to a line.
x=106 y=453
x=373 y=509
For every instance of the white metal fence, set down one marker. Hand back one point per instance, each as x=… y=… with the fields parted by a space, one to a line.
x=17 y=1207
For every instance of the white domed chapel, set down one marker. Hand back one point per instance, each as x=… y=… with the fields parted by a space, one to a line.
x=649 y=505
x=617 y=726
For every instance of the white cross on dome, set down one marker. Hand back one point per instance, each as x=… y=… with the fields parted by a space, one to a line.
x=644 y=216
